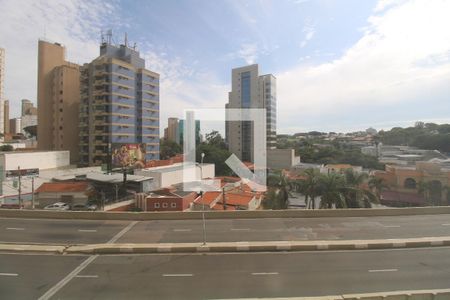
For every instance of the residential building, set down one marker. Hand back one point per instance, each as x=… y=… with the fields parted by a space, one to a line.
x=6 y=116
x=119 y=105
x=425 y=183
x=28 y=108
x=72 y=193
x=180 y=131
x=166 y=200
x=58 y=100
x=250 y=90
x=172 y=130
x=15 y=126
x=2 y=81
x=27 y=121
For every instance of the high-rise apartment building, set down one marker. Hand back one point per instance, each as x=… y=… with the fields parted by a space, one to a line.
x=2 y=81
x=28 y=108
x=251 y=90
x=15 y=125
x=171 y=134
x=58 y=100
x=119 y=105
x=6 y=116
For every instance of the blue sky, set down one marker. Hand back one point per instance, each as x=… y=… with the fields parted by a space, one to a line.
x=340 y=65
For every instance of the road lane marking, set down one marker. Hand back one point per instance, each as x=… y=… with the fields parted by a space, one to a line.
x=86 y=276
x=240 y=229
x=52 y=291
x=122 y=232
x=178 y=275
x=383 y=270
x=15 y=228
x=391 y=226
x=446 y=224
x=87 y=230
x=265 y=273
x=9 y=274
x=182 y=230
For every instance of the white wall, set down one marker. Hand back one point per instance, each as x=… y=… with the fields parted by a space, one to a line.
x=34 y=160
x=166 y=176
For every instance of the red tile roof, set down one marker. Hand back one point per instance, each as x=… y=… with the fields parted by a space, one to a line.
x=208 y=198
x=219 y=206
x=238 y=199
x=54 y=187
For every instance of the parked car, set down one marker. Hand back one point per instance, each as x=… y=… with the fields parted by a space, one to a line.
x=58 y=206
x=84 y=207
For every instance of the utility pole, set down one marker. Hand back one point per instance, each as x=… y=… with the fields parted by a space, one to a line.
x=20 y=187
x=32 y=192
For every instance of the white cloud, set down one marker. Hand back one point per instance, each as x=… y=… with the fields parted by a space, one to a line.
x=389 y=64
x=74 y=23
x=248 y=52
x=309 y=31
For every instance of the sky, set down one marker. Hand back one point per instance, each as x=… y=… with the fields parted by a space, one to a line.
x=340 y=65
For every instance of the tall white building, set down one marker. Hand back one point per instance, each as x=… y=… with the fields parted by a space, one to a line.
x=250 y=90
x=2 y=80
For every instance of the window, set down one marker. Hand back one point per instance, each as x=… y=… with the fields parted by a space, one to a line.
x=173 y=205
x=157 y=205
x=165 y=205
x=410 y=183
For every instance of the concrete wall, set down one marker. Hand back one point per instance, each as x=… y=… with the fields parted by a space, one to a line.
x=245 y=214
x=44 y=199
x=170 y=175
x=34 y=160
x=281 y=158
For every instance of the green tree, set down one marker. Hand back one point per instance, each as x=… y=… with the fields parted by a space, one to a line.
x=356 y=196
x=332 y=191
x=281 y=185
x=6 y=148
x=310 y=187
x=169 y=149
x=377 y=185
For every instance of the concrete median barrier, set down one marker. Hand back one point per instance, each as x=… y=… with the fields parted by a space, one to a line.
x=270 y=246
x=300 y=213
x=50 y=249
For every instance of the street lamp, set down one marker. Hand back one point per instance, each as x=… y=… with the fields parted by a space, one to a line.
x=201 y=197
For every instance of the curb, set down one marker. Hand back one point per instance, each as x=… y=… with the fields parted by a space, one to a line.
x=272 y=246
x=49 y=249
x=437 y=294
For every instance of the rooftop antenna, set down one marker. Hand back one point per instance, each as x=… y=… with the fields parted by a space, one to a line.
x=109 y=36
x=102 y=37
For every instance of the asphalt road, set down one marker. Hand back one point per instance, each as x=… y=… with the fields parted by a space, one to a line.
x=172 y=231
x=212 y=276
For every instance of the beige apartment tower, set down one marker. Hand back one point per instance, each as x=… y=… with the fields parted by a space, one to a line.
x=2 y=82
x=6 y=116
x=172 y=130
x=250 y=90
x=58 y=100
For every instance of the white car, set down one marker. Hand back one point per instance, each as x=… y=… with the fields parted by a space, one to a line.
x=58 y=206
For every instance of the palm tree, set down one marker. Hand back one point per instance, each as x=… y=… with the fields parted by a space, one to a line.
x=332 y=190
x=356 y=196
x=377 y=185
x=280 y=184
x=310 y=187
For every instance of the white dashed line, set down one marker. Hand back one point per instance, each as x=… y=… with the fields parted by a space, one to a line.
x=9 y=274
x=240 y=229
x=265 y=273
x=178 y=275
x=383 y=270
x=446 y=224
x=86 y=276
x=15 y=228
x=391 y=226
x=87 y=230
x=182 y=230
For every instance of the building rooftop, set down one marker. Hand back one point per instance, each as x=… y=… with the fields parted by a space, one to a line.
x=54 y=187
